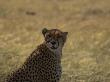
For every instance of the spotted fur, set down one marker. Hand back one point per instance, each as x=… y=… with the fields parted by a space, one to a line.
x=44 y=64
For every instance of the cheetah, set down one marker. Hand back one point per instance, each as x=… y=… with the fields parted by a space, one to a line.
x=44 y=63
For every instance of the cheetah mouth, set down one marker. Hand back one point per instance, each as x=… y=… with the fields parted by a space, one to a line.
x=53 y=47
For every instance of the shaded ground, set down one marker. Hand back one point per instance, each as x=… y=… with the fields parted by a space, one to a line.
x=86 y=56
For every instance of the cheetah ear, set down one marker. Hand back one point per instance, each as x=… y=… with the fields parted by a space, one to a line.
x=65 y=33
x=44 y=30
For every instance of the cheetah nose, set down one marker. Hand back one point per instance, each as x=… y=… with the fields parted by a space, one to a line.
x=53 y=43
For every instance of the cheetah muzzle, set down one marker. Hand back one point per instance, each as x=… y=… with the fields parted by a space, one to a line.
x=44 y=64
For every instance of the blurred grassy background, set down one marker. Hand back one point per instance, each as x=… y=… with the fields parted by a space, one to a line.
x=86 y=56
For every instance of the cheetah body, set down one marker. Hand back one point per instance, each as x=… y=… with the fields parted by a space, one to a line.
x=41 y=66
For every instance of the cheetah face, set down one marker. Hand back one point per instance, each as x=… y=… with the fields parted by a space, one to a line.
x=54 y=38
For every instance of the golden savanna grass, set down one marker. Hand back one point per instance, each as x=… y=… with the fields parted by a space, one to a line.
x=86 y=56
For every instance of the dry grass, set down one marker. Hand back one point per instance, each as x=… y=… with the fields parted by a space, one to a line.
x=86 y=56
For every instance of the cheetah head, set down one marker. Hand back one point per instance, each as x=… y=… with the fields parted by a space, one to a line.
x=54 y=38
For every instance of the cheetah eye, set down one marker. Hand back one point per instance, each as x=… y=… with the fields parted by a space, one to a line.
x=60 y=36
x=48 y=36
